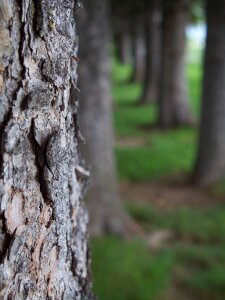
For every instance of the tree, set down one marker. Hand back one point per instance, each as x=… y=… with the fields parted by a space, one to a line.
x=210 y=165
x=105 y=208
x=139 y=49
x=131 y=13
x=122 y=40
x=153 y=51
x=43 y=245
x=174 y=108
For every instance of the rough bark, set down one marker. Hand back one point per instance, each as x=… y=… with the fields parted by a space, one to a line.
x=210 y=164
x=153 y=52
x=105 y=209
x=174 y=107
x=43 y=245
x=139 y=50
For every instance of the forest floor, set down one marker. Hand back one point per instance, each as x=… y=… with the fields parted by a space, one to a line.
x=182 y=220
x=169 y=194
x=182 y=253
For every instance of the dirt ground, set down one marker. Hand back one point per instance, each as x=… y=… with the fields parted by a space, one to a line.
x=169 y=194
x=165 y=193
x=130 y=142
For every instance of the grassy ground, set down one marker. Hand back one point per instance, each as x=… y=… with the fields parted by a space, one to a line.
x=162 y=156
x=192 y=265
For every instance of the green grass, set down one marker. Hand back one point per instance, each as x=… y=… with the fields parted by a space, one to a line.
x=194 y=262
x=199 y=225
x=199 y=250
x=194 y=76
x=127 y=270
x=219 y=188
x=161 y=158
x=203 y=270
x=164 y=148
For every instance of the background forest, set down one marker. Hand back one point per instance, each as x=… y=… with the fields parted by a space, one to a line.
x=158 y=233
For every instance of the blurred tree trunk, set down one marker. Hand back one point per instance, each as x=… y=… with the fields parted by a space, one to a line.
x=210 y=164
x=105 y=208
x=43 y=243
x=139 y=50
x=123 y=44
x=174 y=107
x=153 y=52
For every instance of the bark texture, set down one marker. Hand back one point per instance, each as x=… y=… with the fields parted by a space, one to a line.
x=210 y=164
x=153 y=52
x=139 y=50
x=174 y=107
x=105 y=209
x=43 y=245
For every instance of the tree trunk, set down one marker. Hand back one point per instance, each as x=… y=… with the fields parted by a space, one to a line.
x=139 y=50
x=174 y=107
x=123 y=44
x=153 y=52
x=105 y=209
x=43 y=245
x=210 y=164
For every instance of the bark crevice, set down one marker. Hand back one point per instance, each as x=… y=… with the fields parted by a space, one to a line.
x=5 y=237
x=40 y=163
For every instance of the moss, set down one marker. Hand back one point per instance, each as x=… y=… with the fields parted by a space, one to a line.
x=51 y=25
x=32 y=8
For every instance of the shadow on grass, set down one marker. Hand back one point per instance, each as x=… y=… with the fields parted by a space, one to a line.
x=156 y=127
x=126 y=104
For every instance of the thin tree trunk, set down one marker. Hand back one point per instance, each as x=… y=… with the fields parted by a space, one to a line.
x=43 y=245
x=210 y=164
x=153 y=52
x=105 y=209
x=174 y=107
x=123 y=44
x=139 y=50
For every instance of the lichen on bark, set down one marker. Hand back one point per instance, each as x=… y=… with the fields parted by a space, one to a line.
x=43 y=246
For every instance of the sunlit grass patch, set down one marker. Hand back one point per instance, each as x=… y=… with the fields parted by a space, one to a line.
x=167 y=153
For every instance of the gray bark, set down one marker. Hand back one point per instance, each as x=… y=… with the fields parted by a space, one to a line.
x=174 y=107
x=153 y=52
x=105 y=209
x=139 y=49
x=43 y=245
x=210 y=164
